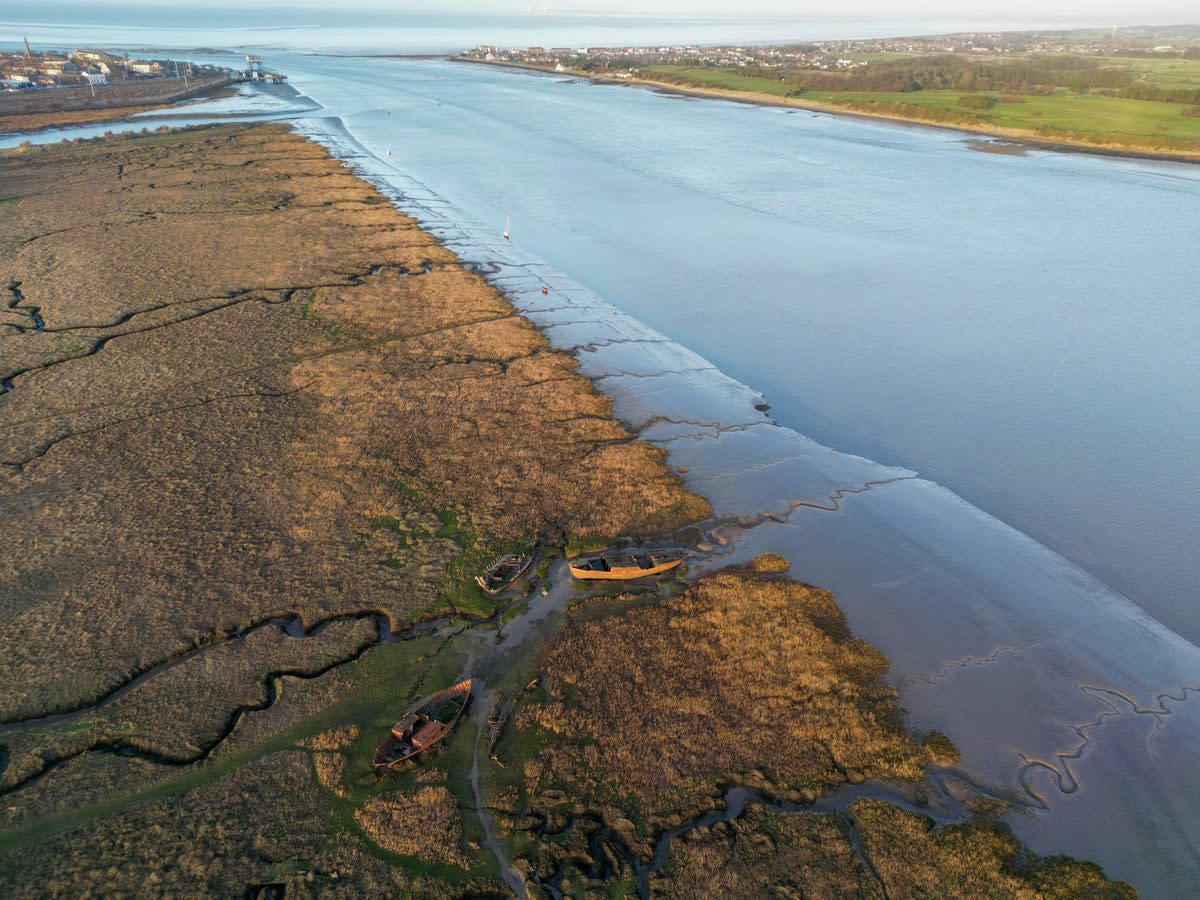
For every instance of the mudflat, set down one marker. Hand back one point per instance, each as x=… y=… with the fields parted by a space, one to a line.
x=253 y=420
x=258 y=433
x=691 y=748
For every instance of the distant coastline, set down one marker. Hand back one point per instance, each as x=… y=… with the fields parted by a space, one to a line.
x=1026 y=138
x=38 y=118
x=54 y=88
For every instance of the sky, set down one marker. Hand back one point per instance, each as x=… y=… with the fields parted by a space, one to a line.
x=1187 y=10
x=1176 y=11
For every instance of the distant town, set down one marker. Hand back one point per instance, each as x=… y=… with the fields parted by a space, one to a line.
x=833 y=55
x=1126 y=90
x=30 y=69
x=43 y=88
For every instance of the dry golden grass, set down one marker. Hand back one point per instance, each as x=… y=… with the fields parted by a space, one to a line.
x=746 y=678
x=770 y=854
x=25 y=122
x=264 y=824
x=30 y=110
x=260 y=391
x=329 y=764
x=424 y=824
x=338 y=738
x=978 y=859
x=740 y=679
x=330 y=768
x=767 y=854
x=769 y=564
x=181 y=711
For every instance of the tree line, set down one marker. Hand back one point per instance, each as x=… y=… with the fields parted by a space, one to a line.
x=957 y=73
x=1031 y=76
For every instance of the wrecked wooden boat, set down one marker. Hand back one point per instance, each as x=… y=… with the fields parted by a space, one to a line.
x=622 y=565
x=503 y=572
x=423 y=726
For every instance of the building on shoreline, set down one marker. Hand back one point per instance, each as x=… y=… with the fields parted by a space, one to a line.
x=32 y=69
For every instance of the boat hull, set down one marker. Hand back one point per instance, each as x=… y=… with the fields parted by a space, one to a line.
x=504 y=573
x=624 y=566
x=392 y=750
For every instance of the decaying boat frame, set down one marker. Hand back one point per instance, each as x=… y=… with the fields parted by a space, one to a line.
x=504 y=571
x=423 y=726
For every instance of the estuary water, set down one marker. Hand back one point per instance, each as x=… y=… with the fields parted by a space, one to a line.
x=1062 y=695
x=1016 y=332
x=1022 y=330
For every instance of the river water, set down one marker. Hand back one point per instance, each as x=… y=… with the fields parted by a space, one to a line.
x=1020 y=332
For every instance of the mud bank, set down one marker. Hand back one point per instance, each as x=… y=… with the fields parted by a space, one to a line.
x=940 y=587
x=993 y=638
x=235 y=475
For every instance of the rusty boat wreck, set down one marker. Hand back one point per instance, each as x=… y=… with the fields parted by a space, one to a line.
x=503 y=572
x=423 y=726
x=622 y=565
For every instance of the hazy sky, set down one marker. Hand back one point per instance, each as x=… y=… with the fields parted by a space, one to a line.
x=886 y=9
x=1179 y=11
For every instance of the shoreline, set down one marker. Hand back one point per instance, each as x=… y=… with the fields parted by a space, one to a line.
x=980 y=607
x=366 y=298
x=333 y=350
x=1012 y=135
x=31 y=122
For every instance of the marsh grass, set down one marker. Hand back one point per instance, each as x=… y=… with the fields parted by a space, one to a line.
x=277 y=433
x=651 y=704
x=647 y=709
x=266 y=433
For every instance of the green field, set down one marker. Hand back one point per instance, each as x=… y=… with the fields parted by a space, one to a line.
x=722 y=78
x=1062 y=110
x=1127 y=121
x=1169 y=72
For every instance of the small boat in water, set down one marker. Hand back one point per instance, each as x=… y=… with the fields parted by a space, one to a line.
x=625 y=564
x=423 y=726
x=504 y=572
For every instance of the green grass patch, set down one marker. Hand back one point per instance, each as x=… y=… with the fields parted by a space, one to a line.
x=387 y=523
x=727 y=79
x=514 y=613
x=279 y=871
x=453 y=529
x=383 y=678
x=453 y=756
x=1168 y=72
x=1089 y=113
x=466 y=597
x=1091 y=117
x=577 y=544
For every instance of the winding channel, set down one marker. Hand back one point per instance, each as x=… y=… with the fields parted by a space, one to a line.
x=960 y=583
x=290 y=626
